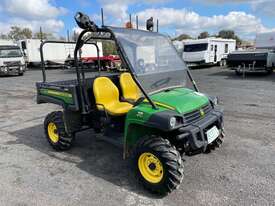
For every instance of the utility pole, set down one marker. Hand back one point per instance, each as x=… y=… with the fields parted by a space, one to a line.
x=41 y=34
x=157 y=25
x=102 y=17
x=68 y=35
x=137 y=22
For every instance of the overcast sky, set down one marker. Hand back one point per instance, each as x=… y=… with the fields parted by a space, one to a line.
x=246 y=17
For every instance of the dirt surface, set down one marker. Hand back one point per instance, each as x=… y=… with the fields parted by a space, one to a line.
x=241 y=172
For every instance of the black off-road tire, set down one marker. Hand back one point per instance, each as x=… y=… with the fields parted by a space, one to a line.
x=170 y=158
x=65 y=140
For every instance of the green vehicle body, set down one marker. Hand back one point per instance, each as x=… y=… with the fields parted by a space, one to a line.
x=178 y=101
x=164 y=98
x=65 y=97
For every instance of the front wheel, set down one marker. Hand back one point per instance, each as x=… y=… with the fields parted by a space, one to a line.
x=55 y=131
x=158 y=165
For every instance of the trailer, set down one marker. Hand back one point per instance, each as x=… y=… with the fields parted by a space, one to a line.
x=11 y=59
x=208 y=51
x=55 y=53
x=262 y=58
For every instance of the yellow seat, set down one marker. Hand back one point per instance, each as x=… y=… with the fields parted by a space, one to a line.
x=130 y=90
x=107 y=97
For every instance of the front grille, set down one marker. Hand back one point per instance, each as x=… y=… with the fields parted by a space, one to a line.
x=15 y=63
x=197 y=114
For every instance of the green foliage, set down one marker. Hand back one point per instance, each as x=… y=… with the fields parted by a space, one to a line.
x=17 y=33
x=229 y=34
x=203 y=35
x=4 y=36
x=42 y=35
x=109 y=48
x=182 y=37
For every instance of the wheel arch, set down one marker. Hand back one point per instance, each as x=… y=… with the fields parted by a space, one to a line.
x=134 y=132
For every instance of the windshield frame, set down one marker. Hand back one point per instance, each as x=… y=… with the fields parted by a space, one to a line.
x=6 y=48
x=134 y=74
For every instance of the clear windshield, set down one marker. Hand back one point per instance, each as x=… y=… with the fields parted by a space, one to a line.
x=10 y=52
x=153 y=58
x=195 y=47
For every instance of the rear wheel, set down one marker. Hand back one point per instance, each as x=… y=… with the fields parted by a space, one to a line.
x=158 y=165
x=55 y=131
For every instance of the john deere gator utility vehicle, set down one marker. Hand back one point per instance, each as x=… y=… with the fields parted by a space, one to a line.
x=148 y=110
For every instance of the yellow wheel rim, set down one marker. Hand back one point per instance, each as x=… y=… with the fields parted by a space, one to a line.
x=150 y=167
x=52 y=132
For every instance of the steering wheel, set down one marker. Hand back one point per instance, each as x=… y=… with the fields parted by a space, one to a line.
x=160 y=82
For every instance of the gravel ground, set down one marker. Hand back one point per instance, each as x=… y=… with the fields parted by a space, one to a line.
x=241 y=172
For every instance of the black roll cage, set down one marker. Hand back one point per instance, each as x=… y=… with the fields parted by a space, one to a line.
x=81 y=75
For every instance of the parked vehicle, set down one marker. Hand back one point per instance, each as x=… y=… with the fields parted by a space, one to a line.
x=147 y=111
x=262 y=58
x=208 y=51
x=55 y=53
x=11 y=59
x=251 y=61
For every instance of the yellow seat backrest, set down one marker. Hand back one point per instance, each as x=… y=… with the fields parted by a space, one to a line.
x=105 y=91
x=129 y=88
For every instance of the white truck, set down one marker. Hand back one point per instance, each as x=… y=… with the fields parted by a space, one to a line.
x=11 y=59
x=262 y=58
x=209 y=51
x=54 y=53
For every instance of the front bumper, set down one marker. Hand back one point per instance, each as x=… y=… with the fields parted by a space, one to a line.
x=12 y=70
x=194 y=135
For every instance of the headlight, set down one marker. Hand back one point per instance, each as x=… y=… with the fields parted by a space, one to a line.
x=173 y=122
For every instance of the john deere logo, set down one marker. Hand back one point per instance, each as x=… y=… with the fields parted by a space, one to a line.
x=202 y=113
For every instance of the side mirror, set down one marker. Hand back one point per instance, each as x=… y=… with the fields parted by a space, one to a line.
x=84 y=22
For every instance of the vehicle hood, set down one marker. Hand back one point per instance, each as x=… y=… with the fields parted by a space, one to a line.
x=181 y=100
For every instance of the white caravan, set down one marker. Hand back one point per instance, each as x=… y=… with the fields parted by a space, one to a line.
x=11 y=59
x=208 y=51
x=55 y=53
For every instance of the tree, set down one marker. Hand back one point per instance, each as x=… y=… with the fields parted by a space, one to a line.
x=182 y=37
x=62 y=38
x=43 y=35
x=229 y=34
x=4 y=36
x=109 y=48
x=203 y=35
x=19 y=33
